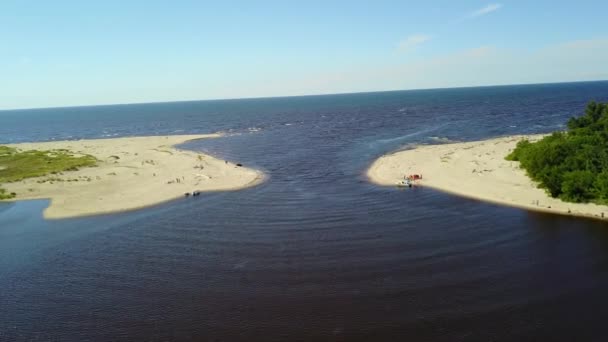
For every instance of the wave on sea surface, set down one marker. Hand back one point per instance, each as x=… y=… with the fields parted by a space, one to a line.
x=442 y=140
x=407 y=136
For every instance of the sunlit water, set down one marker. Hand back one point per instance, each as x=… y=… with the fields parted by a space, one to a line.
x=315 y=252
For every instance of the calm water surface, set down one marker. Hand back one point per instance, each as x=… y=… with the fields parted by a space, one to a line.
x=316 y=252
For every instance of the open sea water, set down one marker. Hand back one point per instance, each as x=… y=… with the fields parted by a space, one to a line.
x=316 y=252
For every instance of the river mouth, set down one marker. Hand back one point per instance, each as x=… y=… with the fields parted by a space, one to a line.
x=316 y=252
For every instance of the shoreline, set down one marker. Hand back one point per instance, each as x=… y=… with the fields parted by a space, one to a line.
x=132 y=173
x=477 y=170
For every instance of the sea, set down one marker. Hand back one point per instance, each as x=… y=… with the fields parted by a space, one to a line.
x=316 y=252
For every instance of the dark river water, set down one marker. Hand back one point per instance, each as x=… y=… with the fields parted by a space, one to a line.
x=316 y=252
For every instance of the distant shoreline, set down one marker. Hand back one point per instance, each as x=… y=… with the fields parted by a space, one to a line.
x=152 y=102
x=479 y=171
x=132 y=173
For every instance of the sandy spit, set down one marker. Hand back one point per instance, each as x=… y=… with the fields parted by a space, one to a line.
x=476 y=170
x=133 y=173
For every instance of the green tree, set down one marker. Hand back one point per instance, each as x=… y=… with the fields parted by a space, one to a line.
x=571 y=165
x=577 y=186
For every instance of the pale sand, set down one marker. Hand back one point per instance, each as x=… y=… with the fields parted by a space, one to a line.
x=133 y=173
x=476 y=170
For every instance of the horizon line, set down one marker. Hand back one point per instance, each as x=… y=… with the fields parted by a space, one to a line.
x=290 y=96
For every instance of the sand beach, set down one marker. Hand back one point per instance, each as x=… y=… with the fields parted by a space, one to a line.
x=132 y=173
x=476 y=170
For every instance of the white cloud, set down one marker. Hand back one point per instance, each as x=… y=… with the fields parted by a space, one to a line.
x=485 y=10
x=413 y=41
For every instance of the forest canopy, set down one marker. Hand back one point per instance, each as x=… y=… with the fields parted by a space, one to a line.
x=571 y=165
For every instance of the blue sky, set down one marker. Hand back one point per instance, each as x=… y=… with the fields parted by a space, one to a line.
x=66 y=53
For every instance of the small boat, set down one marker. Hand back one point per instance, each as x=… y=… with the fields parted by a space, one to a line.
x=405 y=183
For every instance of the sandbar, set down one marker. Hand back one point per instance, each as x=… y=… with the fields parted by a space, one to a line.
x=132 y=173
x=477 y=170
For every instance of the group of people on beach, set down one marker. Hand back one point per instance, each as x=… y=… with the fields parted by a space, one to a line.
x=409 y=180
x=412 y=177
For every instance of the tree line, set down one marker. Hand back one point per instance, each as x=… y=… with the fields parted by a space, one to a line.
x=571 y=165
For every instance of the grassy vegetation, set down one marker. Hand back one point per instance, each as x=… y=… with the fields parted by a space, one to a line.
x=572 y=165
x=17 y=165
x=6 y=195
